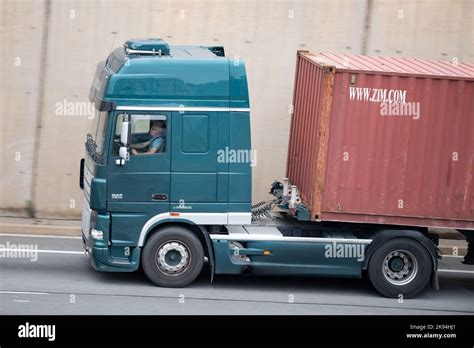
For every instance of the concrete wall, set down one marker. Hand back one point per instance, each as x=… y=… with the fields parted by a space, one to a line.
x=50 y=48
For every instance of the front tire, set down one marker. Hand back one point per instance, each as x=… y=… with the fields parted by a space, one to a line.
x=173 y=257
x=401 y=266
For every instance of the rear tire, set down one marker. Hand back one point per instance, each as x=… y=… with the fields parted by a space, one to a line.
x=173 y=257
x=401 y=266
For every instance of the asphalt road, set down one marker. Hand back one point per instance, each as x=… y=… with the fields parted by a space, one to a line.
x=61 y=281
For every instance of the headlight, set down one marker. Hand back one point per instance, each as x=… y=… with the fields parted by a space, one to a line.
x=96 y=234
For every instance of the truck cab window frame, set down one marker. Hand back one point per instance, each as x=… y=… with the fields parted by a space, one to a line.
x=148 y=131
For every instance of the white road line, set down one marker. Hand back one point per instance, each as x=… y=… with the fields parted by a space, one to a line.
x=45 y=251
x=455 y=271
x=22 y=292
x=22 y=301
x=37 y=235
x=458 y=257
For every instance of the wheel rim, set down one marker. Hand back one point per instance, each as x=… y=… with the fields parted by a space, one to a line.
x=400 y=267
x=173 y=258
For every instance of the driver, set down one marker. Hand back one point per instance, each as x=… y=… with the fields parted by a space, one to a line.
x=156 y=140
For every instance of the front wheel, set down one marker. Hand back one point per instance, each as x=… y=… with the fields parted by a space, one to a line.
x=173 y=257
x=401 y=266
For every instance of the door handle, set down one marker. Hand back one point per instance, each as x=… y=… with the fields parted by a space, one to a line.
x=159 y=197
x=253 y=252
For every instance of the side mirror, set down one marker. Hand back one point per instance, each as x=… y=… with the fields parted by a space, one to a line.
x=124 y=154
x=125 y=133
x=125 y=139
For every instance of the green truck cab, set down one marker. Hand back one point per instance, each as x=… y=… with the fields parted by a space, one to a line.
x=167 y=180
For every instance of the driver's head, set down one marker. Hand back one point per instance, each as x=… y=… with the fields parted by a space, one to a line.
x=157 y=128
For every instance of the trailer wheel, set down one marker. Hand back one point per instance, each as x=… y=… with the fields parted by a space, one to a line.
x=401 y=266
x=173 y=257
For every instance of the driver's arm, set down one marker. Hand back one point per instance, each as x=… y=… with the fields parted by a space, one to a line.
x=140 y=145
x=152 y=150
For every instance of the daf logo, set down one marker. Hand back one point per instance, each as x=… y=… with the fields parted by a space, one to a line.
x=117 y=195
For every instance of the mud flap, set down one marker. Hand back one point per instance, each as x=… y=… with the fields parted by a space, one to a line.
x=434 y=280
x=205 y=234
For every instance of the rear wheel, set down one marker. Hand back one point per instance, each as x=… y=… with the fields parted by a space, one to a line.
x=173 y=257
x=401 y=266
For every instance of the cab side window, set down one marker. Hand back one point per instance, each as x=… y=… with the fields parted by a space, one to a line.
x=149 y=134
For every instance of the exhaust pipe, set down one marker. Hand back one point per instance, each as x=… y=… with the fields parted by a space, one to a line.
x=247 y=272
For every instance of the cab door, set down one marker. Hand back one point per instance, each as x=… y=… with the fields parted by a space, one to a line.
x=196 y=182
x=140 y=188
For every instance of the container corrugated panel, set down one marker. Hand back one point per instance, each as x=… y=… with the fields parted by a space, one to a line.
x=384 y=140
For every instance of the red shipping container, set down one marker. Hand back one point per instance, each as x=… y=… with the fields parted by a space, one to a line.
x=383 y=140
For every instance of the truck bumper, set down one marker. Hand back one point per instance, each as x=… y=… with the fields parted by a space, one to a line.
x=99 y=250
x=103 y=262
